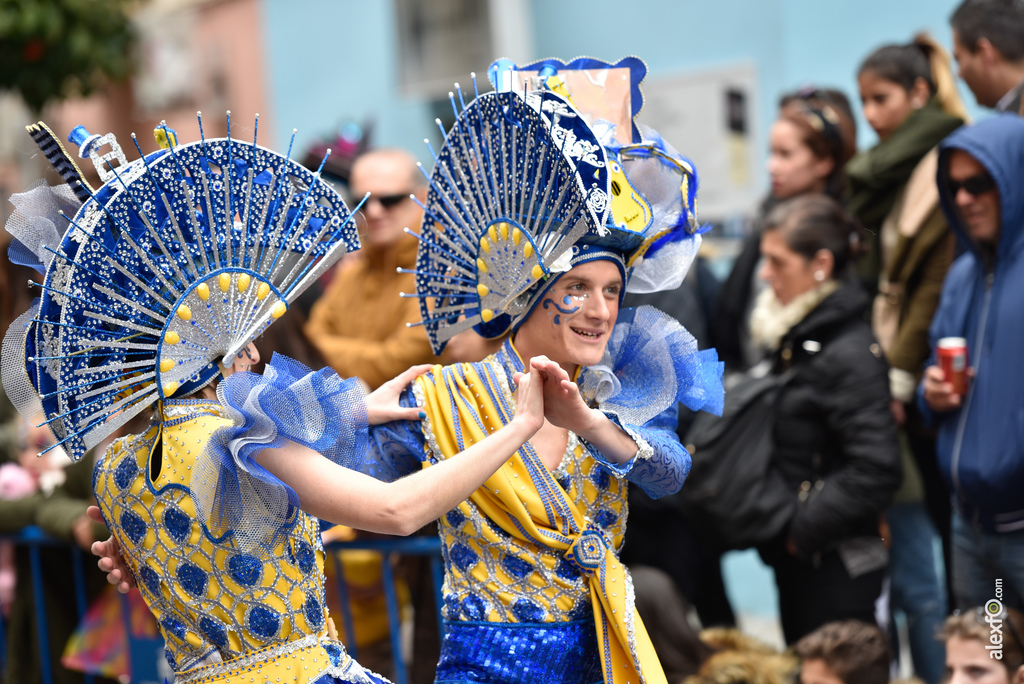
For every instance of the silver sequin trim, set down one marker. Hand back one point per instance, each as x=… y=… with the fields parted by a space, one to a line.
x=349 y=669
x=630 y=627
x=644 y=451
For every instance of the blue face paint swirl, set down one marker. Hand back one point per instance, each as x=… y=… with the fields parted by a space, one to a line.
x=567 y=301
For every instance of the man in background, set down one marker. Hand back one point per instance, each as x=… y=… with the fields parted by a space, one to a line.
x=359 y=325
x=988 y=43
x=980 y=450
x=847 y=652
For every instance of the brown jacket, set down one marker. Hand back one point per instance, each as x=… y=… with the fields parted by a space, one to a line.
x=913 y=270
x=359 y=324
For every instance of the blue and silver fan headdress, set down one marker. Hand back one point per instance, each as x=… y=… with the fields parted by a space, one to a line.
x=180 y=259
x=652 y=217
x=528 y=185
x=520 y=178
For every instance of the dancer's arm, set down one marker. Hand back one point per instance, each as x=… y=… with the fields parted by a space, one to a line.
x=343 y=496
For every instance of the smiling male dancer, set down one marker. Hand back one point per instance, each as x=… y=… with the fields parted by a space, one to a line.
x=534 y=228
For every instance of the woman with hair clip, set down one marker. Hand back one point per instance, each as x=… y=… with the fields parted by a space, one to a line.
x=834 y=437
x=910 y=100
x=812 y=139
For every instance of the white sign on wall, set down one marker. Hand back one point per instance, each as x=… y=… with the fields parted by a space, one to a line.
x=710 y=117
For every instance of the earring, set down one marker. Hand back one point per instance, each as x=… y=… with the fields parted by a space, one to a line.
x=819 y=275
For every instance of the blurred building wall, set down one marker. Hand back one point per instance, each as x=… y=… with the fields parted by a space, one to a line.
x=316 y=64
x=336 y=60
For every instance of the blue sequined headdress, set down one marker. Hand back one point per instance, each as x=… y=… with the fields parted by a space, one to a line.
x=528 y=185
x=179 y=260
x=652 y=218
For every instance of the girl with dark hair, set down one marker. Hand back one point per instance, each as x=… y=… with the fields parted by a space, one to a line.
x=910 y=100
x=812 y=139
x=834 y=436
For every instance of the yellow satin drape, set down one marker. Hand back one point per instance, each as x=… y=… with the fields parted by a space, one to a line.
x=463 y=406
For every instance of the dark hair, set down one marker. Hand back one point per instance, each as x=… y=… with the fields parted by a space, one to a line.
x=858 y=653
x=921 y=58
x=810 y=223
x=826 y=125
x=1000 y=21
x=901 y=64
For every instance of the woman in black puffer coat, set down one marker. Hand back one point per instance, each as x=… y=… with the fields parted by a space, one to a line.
x=835 y=437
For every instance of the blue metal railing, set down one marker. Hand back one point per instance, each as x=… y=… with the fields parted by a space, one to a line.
x=389 y=549
x=144 y=653
x=34 y=539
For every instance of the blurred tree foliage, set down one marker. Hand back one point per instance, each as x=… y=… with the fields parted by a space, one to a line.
x=54 y=49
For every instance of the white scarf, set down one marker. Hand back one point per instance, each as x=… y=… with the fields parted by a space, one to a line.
x=770 y=319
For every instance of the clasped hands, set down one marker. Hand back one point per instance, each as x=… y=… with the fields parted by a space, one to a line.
x=545 y=392
x=560 y=399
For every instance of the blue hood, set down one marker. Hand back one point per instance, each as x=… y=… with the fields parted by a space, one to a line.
x=998 y=143
x=980 y=446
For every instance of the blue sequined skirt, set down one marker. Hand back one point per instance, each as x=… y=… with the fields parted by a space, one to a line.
x=520 y=652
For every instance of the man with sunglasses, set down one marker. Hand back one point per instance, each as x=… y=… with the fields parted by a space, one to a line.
x=359 y=325
x=981 y=433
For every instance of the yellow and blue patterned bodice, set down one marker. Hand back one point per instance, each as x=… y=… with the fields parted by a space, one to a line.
x=496 y=577
x=224 y=614
x=503 y=574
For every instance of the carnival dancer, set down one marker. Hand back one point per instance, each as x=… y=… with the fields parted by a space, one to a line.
x=534 y=228
x=152 y=298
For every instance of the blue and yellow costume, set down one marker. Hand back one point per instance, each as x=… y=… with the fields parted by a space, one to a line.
x=525 y=189
x=533 y=588
x=225 y=612
x=180 y=260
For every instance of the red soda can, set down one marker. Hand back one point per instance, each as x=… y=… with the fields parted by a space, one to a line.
x=952 y=357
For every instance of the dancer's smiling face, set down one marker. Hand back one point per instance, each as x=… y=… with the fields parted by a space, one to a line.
x=574 y=319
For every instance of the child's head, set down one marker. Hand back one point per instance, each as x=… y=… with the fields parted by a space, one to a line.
x=974 y=637
x=895 y=80
x=33 y=439
x=847 y=652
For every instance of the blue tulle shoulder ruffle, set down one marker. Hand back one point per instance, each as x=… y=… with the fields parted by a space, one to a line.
x=288 y=402
x=652 y=362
